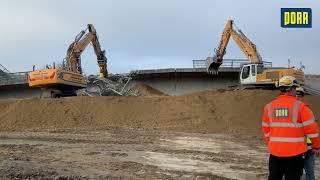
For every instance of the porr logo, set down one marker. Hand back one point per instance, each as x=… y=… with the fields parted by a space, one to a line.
x=296 y=18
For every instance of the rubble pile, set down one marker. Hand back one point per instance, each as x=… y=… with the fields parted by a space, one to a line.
x=115 y=85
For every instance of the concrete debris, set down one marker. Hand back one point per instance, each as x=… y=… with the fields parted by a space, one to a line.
x=115 y=85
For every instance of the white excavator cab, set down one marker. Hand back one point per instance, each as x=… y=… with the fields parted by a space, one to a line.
x=248 y=74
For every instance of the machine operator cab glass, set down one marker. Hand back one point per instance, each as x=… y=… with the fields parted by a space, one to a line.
x=248 y=73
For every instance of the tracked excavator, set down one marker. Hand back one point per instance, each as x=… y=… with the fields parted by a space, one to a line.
x=253 y=73
x=65 y=80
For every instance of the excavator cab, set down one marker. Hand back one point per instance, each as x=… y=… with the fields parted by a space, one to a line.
x=248 y=74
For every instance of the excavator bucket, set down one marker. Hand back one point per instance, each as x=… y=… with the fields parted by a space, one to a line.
x=213 y=65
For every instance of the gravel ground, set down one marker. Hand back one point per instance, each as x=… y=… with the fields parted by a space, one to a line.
x=122 y=153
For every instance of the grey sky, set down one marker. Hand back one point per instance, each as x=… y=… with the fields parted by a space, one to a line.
x=145 y=34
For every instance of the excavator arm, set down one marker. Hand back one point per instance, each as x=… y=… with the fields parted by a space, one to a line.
x=101 y=57
x=244 y=43
x=213 y=63
x=76 y=48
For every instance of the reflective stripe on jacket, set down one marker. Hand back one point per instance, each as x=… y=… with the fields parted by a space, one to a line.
x=286 y=123
x=308 y=141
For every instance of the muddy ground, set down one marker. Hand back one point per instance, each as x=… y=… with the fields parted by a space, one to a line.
x=122 y=153
x=205 y=135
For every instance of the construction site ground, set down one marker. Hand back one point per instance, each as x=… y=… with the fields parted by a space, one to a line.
x=206 y=135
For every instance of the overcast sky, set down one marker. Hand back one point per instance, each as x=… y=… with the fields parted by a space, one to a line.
x=146 y=34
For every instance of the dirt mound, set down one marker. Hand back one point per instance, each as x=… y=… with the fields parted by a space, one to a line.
x=205 y=112
x=145 y=90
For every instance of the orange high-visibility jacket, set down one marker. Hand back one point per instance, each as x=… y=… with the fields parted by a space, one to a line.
x=286 y=123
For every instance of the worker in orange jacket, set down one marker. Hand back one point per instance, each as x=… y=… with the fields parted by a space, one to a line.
x=286 y=122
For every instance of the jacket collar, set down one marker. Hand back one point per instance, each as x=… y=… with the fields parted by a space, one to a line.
x=287 y=95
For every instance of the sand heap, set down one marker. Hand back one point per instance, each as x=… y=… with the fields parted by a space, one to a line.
x=146 y=90
x=205 y=112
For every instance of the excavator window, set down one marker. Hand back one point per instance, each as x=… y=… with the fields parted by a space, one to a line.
x=246 y=72
x=253 y=70
x=260 y=69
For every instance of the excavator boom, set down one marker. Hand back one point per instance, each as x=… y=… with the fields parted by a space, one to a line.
x=75 y=50
x=246 y=46
x=244 y=43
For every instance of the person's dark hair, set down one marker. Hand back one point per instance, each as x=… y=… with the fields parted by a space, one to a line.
x=285 y=89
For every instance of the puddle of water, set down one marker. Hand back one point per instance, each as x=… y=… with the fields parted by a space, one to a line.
x=172 y=162
x=193 y=143
x=214 y=145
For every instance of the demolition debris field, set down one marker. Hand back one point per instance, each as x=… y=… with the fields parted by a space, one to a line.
x=211 y=134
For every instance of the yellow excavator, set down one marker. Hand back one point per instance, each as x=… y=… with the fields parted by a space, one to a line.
x=65 y=80
x=253 y=73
